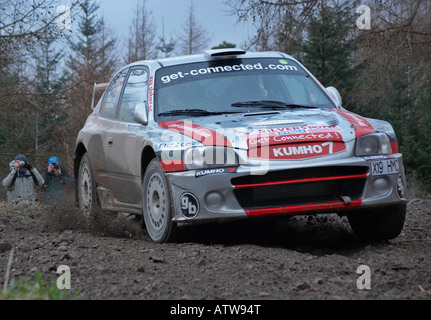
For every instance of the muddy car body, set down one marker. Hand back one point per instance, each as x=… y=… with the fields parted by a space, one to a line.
x=229 y=134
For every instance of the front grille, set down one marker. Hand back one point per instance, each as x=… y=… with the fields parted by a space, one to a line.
x=300 y=187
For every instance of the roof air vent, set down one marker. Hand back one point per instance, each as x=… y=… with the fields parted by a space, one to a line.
x=220 y=53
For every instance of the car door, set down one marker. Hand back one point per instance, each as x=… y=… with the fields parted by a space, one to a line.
x=108 y=117
x=126 y=134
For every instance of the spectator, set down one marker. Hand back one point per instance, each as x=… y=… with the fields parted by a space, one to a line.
x=21 y=182
x=57 y=180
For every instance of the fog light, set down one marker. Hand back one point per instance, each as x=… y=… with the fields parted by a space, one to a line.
x=214 y=200
x=381 y=186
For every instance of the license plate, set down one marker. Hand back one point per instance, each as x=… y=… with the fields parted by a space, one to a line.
x=382 y=167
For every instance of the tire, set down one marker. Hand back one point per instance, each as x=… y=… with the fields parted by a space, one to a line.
x=157 y=210
x=378 y=224
x=87 y=193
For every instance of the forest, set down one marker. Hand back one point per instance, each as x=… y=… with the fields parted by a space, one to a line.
x=376 y=53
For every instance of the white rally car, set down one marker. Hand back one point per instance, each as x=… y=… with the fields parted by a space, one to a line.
x=231 y=134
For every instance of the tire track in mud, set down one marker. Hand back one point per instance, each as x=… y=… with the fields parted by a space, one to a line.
x=304 y=257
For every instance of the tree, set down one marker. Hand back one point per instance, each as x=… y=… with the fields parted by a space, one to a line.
x=92 y=60
x=224 y=45
x=328 y=47
x=280 y=24
x=194 y=38
x=394 y=84
x=383 y=73
x=23 y=26
x=49 y=101
x=141 y=42
x=166 y=47
x=24 y=23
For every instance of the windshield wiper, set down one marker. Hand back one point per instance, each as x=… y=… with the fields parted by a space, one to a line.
x=272 y=104
x=200 y=112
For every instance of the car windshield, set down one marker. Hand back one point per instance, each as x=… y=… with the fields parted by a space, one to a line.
x=234 y=86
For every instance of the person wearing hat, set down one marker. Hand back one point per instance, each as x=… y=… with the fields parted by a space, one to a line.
x=57 y=179
x=21 y=181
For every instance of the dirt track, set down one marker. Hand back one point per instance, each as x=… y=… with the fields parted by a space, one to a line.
x=301 y=258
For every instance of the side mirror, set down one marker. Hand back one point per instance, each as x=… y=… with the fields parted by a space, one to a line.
x=335 y=95
x=140 y=113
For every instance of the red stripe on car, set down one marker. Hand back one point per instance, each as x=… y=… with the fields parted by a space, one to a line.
x=303 y=208
x=202 y=134
x=272 y=183
x=361 y=125
x=172 y=165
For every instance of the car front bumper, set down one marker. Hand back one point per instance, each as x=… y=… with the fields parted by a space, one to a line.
x=288 y=187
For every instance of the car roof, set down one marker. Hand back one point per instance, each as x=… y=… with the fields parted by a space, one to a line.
x=213 y=55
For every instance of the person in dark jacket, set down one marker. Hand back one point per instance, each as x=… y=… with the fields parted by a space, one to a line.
x=21 y=182
x=57 y=181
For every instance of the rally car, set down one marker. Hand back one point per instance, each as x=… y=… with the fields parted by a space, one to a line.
x=234 y=134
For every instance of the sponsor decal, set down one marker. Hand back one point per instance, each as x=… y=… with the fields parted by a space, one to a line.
x=151 y=94
x=188 y=72
x=380 y=157
x=176 y=145
x=360 y=124
x=293 y=135
x=189 y=205
x=299 y=151
x=133 y=129
x=291 y=130
x=277 y=122
x=202 y=173
x=298 y=131
x=204 y=135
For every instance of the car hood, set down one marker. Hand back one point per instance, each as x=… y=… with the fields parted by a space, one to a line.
x=257 y=129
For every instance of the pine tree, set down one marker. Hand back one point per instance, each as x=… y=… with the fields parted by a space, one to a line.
x=166 y=47
x=50 y=110
x=224 y=45
x=92 y=60
x=328 y=48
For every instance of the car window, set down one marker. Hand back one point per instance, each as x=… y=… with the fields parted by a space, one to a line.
x=220 y=85
x=302 y=93
x=135 y=92
x=111 y=96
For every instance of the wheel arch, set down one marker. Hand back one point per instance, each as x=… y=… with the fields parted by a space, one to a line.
x=147 y=155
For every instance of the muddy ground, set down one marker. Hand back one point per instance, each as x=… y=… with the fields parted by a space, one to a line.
x=301 y=258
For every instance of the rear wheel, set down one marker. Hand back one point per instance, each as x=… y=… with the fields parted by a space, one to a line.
x=87 y=194
x=378 y=224
x=157 y=211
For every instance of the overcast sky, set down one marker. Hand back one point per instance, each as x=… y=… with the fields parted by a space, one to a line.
x=210 y=15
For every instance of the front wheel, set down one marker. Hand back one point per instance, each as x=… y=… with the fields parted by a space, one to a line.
x=378 y=224
x=156 y=204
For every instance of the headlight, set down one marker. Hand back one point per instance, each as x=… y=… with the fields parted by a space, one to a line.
x=373 y=144
x=209 y=157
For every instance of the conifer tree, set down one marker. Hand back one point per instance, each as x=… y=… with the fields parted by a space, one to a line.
x=92 y=60
x=328 y=47
x=50 y=105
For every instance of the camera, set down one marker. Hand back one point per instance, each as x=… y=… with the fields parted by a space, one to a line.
x=56 y=166
x=21 y=163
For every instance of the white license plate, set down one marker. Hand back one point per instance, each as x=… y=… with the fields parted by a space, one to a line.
x=382 y=167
